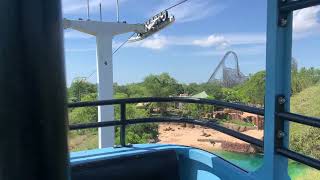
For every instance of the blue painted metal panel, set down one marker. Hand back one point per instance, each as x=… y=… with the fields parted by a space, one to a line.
x=278 y=75
x=194 y=164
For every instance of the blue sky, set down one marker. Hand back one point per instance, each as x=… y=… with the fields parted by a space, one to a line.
x=190 y=49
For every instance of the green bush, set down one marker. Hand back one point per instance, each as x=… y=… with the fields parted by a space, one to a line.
x=139 y=133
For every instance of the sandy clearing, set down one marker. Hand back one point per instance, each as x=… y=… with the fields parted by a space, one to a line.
x=170 y=133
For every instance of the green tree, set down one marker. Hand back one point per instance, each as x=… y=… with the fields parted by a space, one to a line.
x=304 y=78
x=80 y=88
x=162 y=86
x=192 y=88
x=131 y=109
x=252 y=91
x=196 y=111
x=136 y=90
x=214 y=90
x=140 y=133
x=231 y=95
x=84 y=114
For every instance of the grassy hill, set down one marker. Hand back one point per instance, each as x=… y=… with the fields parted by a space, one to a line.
x=307 y=102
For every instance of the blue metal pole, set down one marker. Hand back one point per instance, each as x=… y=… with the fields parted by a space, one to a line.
x=278 y=82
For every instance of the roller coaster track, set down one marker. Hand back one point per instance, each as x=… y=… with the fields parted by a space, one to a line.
x=230 y=76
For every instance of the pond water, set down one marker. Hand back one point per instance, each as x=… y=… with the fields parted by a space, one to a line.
x=252 y=162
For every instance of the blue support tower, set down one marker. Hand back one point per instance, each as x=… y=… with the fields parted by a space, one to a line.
x=278 y=82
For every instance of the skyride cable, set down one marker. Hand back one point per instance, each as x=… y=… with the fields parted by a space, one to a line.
x=123 y=43
x=175 y=5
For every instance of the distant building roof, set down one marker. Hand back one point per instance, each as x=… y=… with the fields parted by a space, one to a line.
x=203 y=94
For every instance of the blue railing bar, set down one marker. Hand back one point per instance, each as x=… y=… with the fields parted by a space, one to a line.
x=296 y=5
x=204 y=123
x=310 y=121
x=123 y=122
x=315 y=163
x=94 y=125
x=235 y=106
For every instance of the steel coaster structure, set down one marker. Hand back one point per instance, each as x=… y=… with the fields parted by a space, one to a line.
x=230 y=76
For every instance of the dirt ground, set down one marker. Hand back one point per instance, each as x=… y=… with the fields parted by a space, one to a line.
x=198 y=136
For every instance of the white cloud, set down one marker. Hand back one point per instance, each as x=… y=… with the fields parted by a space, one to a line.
x=227 y=40
x=212 y=40
x=306 y=21
x=250 y=50
x=191 y=10
x=219 y=42
x=155 y=42
x=246 y=38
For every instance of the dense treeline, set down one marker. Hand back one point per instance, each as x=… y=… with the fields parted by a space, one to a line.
x=251 y=92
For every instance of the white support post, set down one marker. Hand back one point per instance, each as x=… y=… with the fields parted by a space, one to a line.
x=104 y=32
x=105 y=88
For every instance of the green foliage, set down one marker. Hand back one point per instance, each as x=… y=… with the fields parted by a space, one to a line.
x=306 y=139
x=79 y=88
x=192 y=110
x=79 y=141
x=162 y=85
x=252 y=91
x=196 y=111
x=131 y=109
x=308 y=174
x=132 y=90
x=192 y=88
x=304 y=78
x=231 y=95
x=213 y=90
x=303 y=139
x=84 y=114
x=307 y=142
x=139 y=134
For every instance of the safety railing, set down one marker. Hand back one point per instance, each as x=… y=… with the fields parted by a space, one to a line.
x=284 y=15
x=288 y=6
x=212 y=123
x=281 y=117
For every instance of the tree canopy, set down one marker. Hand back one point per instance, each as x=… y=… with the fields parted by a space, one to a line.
x=163 y=85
